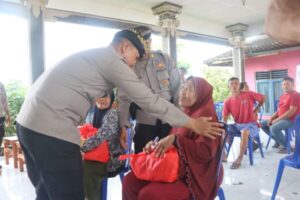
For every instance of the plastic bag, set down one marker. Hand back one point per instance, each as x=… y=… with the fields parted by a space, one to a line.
x=150 y=168
x=101 y=152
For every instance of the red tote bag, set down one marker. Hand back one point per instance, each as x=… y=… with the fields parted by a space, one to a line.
x=101 y=152
x=150 y=168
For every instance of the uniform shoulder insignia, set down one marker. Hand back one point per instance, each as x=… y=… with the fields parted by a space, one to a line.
x=165 y=82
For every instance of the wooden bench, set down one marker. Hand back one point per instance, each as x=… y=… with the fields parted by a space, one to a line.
x=21 y=158
x=11 y=149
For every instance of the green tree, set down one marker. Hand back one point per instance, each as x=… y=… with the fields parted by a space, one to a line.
x=16 y=92
x=181 y=62
x=218 y=77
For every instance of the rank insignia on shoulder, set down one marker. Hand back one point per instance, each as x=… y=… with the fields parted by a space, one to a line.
x=160 y=65
x=165 y=82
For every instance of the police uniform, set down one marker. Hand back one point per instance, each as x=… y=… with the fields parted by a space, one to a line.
x=160 y=74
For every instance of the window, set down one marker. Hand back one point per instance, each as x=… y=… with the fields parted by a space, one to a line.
x=269 y=84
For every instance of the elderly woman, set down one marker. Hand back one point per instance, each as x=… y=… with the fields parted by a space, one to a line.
x=107 y=120
x=199 y=156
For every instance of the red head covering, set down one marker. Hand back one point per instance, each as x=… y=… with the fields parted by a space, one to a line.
x=198 y=153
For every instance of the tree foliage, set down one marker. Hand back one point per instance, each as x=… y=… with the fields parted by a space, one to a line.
x=16 y=92
x=218 y=77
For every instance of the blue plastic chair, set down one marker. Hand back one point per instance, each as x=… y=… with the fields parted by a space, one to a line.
x=126 y=169
x=292 y=160
x=288 y=133
x=219 y=109
x=250 y=145
x=221 y=194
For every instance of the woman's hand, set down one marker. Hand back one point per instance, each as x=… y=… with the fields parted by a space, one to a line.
x=149 y=147
x=163 y=145
x=82 y=141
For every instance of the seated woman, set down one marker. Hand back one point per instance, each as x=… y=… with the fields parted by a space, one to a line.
x=107 y=120
x=199 y=156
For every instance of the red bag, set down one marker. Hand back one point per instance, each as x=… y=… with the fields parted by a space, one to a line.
x=101 y=152
x=150 y=168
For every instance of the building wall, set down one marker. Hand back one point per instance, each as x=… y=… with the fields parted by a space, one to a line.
x=285 y=60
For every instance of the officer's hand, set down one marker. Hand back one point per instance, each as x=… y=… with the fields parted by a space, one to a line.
x=163 y=145
x=123 y=138
x=204 y=126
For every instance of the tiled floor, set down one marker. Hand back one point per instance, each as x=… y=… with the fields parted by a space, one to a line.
x=247 y=183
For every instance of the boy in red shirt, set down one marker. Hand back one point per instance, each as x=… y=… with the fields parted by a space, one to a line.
x=283 y=118
x=241 y=106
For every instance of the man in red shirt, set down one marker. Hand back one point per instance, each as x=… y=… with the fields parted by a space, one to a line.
x=241 y=106
x=283 y=118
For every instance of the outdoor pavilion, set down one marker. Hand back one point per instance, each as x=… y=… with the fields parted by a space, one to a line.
x=235 y=23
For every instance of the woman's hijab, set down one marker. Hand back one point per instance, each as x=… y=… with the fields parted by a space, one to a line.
x=99 y=114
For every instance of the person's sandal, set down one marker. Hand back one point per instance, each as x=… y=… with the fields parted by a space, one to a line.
x=276 y=145
x=283 y=151
x=235 y=165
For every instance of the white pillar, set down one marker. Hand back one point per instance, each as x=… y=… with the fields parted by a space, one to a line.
x=238 y=54
x=167 y=13
x=36 y=36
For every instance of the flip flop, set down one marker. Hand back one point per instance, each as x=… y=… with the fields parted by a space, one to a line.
x=235 y=165
x=224 y=160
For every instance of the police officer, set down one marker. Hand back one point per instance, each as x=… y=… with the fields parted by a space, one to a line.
x=60 y=99
x=157 y=71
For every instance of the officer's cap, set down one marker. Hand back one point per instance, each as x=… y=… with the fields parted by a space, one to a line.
x=134 y=37
x=143 y=31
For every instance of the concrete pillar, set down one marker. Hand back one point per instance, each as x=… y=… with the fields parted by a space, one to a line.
x=36 y=36
x=238 y=54
x=167 y=13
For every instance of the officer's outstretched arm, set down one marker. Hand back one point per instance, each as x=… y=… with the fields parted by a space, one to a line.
x=204 y=126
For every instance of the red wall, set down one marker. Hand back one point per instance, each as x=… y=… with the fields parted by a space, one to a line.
x=285 y=60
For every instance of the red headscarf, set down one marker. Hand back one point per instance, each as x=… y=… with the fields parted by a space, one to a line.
x=198 y=153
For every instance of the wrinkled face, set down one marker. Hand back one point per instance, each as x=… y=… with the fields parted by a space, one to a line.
x=187 y=95
x=287 y=86
x=103 y=102
x=234 y=86
x=129 y=53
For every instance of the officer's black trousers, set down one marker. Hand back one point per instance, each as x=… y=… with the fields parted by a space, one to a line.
x=145 y=133
x=54 y=166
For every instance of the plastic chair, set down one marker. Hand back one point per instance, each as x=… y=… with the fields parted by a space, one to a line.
x=219 y=109
x=250 y=145
x=292 y=160
x=126 y=169
x=221 y=194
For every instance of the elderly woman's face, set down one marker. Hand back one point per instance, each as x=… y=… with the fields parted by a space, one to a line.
x=187 y=95
x=103 y=103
